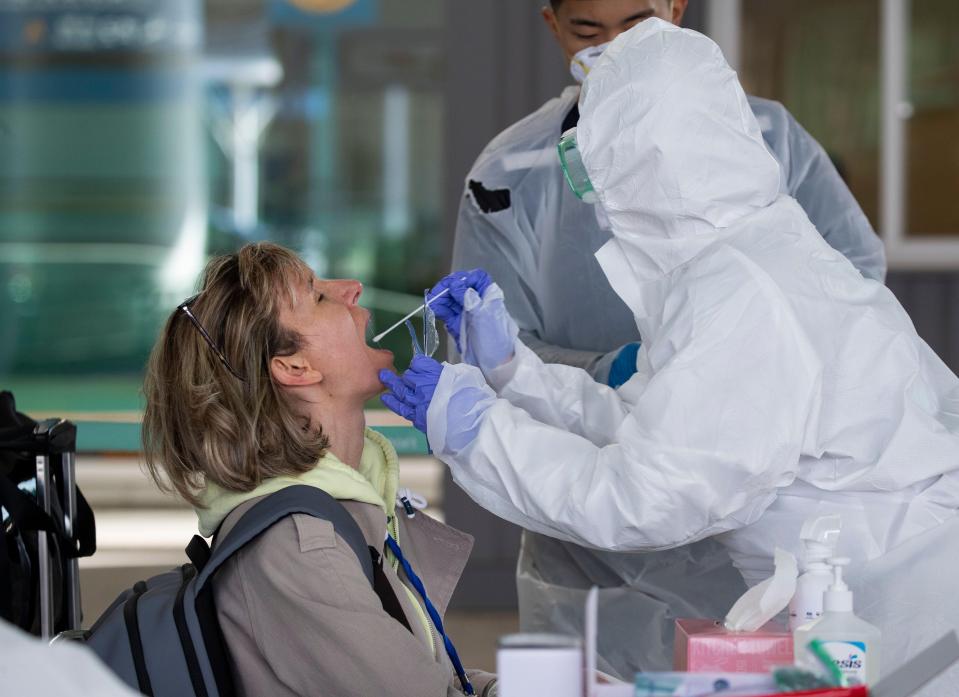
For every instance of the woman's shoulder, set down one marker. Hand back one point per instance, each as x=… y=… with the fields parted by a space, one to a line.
x=302 y=558
x=301 y=533
x=295 y=549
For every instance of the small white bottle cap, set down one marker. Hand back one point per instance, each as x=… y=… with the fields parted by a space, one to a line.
x=838 y=597
x=820 y=537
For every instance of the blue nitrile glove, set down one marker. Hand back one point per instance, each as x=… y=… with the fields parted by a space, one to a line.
x=449 y=307
x=488 y=337
x=624 y=366
x=409 y=395
x=459 y=409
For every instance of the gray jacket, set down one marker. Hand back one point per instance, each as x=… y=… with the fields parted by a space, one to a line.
x=300 y=618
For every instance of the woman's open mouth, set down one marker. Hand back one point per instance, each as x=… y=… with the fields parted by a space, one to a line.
x=368 y=336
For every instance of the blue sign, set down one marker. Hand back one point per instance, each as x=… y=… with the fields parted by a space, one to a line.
x=298 y=13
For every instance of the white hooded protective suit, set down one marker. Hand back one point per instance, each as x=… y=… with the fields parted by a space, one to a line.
x=774 y=381
x=521 y=222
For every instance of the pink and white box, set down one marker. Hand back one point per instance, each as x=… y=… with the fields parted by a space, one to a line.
x=707 y=646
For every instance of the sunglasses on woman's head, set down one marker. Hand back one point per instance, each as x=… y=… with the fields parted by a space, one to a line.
x=185 y=307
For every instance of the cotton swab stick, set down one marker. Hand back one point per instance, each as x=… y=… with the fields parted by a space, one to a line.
x=379 y=337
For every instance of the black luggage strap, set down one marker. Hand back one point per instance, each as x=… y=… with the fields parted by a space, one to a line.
x=29 y=516
x=84 y=543
x=24 y=512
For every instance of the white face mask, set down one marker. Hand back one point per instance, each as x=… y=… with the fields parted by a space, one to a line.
x=584 y=61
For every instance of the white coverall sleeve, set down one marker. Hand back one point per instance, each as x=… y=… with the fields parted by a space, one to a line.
x=508 y=249
x=560 y=395
x=715 y=431
x=596 y=364
x=813 y=181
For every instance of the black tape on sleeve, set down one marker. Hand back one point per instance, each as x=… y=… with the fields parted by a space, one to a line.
x=489 y=201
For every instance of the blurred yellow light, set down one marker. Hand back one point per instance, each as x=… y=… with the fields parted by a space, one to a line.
x=34 y=31
x=322 y=6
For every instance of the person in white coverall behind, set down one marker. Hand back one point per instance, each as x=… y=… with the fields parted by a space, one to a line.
x=519 y=221
x=774 y=382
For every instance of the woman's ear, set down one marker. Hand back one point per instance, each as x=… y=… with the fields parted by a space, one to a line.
x=294 y=371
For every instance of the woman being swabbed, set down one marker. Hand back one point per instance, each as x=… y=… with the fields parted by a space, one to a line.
x=259 y=383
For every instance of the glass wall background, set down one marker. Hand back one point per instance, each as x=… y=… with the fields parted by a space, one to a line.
x=138 y=138
x=822 y=59
x=101 y=187
x=932 y=145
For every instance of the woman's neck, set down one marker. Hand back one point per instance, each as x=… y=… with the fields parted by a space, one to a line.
x=346 y=430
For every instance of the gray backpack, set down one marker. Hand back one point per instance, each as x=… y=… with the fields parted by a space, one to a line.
x=162 y=636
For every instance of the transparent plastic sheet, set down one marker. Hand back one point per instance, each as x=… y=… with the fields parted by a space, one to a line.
x=417 y=346
x=640 y=596
x=431 y=339
x=917 y=579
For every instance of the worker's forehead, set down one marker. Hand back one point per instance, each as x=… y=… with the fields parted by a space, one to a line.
x=609 y=12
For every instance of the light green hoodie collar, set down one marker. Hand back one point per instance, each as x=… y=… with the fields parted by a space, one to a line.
x=374 y=482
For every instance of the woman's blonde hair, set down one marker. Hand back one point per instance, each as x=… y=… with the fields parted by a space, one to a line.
x=203 y=423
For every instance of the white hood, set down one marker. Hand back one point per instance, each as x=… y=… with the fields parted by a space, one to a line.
x=672 y=149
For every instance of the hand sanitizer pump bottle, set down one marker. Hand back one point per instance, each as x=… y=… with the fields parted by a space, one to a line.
x=819 y=538
x=852 y=643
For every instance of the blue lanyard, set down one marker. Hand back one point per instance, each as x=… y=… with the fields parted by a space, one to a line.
x=434 y=615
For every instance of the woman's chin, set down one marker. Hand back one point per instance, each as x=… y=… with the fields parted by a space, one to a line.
x=382 y=358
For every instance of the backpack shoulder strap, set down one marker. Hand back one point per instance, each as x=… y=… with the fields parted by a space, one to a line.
x=293 y=499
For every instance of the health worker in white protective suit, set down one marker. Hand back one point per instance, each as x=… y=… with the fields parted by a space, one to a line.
x=519 y=221
x=774 y=382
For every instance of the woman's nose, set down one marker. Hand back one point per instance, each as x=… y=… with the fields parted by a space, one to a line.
x=350 y=291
